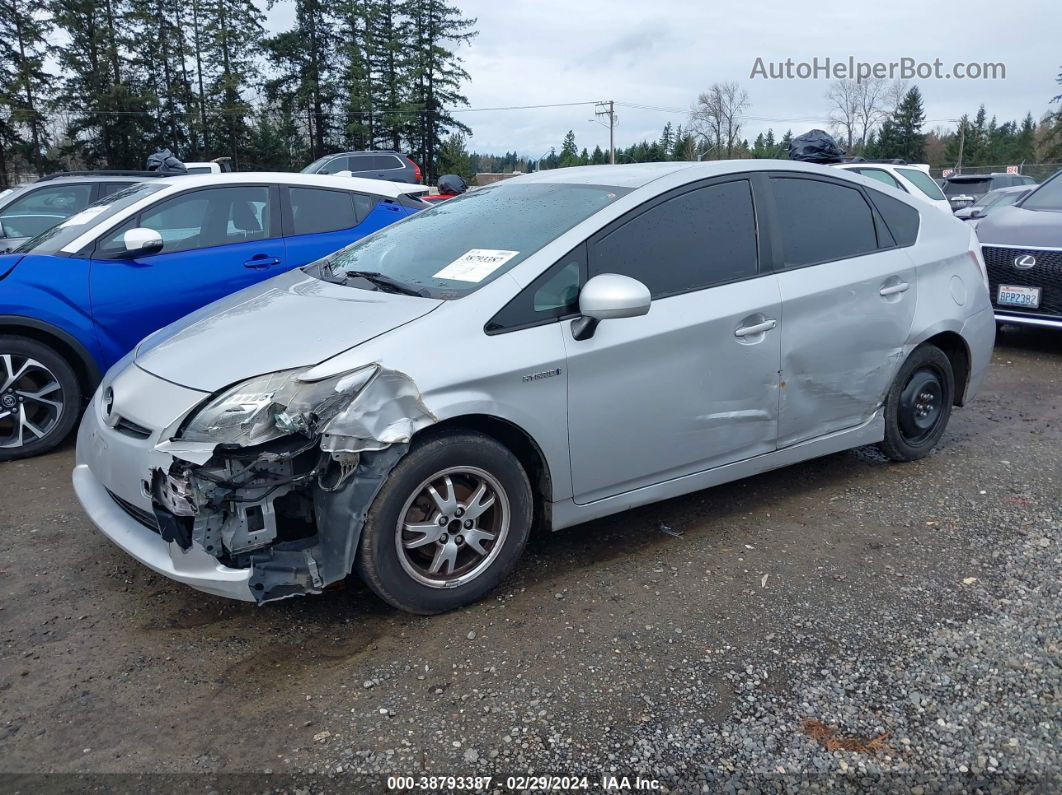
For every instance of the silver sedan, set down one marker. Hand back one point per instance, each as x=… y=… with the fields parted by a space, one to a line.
x=541 y=352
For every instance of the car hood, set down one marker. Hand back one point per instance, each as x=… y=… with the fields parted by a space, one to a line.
x=1013 y=226
x=293 y=320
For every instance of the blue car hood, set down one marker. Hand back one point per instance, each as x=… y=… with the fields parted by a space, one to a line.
x=290 y=321
x=1013 y=226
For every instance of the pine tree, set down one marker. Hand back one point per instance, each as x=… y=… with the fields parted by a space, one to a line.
x=454 y=158
x=569 y=155
x=353 y=55
x=24 y=31
x=438 y=29
x=109 y=122
x=232 y=30
x=667 y=141
x=389 y=63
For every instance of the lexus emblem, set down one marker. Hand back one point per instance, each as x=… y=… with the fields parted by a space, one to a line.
x=108 y=400
x=1024 y=261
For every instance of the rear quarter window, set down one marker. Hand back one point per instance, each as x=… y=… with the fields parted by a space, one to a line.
x=902 y=219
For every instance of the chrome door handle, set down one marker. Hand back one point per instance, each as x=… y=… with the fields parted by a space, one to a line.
x=893 y=289
x=759 y=328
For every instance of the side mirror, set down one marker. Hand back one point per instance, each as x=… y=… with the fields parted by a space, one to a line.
x=976 y=212
x=142 y=241
x=607 y=297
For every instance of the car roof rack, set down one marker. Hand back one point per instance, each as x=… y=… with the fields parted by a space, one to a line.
x=106 y=173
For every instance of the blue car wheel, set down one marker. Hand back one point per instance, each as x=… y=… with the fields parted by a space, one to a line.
x=40 y=398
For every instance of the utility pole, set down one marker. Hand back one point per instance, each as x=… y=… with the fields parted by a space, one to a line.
x=962 y=141
x=608 y=108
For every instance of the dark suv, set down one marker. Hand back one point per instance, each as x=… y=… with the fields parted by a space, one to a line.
x=392 y=166
x=28 y=210
x=1022 y=247
x=963 y=190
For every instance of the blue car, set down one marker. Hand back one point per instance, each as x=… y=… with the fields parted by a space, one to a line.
x=78 y=297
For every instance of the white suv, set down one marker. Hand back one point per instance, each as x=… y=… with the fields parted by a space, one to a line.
x=908 y=178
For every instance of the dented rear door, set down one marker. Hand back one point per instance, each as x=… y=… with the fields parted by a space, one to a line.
x=845 y=320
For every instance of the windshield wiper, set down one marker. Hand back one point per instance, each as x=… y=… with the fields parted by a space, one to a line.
x=387 y=283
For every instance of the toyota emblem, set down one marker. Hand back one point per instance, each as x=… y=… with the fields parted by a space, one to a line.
x=1024 y=261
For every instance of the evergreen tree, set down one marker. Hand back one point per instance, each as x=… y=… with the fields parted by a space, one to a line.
x=569 y=155
x=454 y=158
x=438 y=29
x=303 y=57
x=232 y=30
x=24 y=31
x=667 y=141
x=390 y=65
x=109 y=123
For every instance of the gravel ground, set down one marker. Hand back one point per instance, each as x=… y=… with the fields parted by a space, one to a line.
x=842 y=624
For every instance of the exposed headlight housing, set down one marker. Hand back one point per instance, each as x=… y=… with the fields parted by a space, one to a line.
x=271 y=406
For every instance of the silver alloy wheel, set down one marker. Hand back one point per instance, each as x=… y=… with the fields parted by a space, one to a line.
x=452 y=527
x=31 y=400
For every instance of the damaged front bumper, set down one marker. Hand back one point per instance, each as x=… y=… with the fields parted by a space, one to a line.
x=261 y=523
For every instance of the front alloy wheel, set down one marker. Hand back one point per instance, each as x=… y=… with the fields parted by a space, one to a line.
x=453 y=526
x=449 y=523
x=31 y=403
x=39 y=398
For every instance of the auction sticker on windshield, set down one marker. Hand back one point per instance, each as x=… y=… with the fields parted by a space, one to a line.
x=476 y=264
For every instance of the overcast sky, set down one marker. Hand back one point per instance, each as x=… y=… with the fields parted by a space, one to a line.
x=663 y=52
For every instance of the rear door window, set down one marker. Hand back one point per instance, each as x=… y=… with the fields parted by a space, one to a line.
x=822 y=221
x=315 y=211
x=696 y=239
x=901 y=219
x=362 y=163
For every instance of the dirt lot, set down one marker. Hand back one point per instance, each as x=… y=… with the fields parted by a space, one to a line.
x=846 y=617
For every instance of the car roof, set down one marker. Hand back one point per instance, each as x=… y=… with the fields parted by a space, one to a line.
x=378 y=187
x=1012 y=189
x=637 y=175
x=978 y=177
x=366 y=152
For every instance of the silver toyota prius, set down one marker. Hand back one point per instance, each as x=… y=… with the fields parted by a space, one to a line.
x=548 y=350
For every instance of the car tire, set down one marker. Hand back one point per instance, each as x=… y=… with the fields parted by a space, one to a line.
x=39 y=397
x=918 y=405
x=420 y=551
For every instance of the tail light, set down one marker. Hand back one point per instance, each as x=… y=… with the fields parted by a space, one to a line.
x=416 y=171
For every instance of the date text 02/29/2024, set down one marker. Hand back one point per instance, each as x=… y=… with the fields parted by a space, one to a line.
x=606 y=783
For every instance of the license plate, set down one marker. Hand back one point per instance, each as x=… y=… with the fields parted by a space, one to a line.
x=1028 y=297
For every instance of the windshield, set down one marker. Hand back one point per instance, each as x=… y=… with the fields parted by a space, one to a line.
x=461 y=244
x=1047 y=197
x=923 y=182
x=316 y=164
x=965 y=187
x=51 y=240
